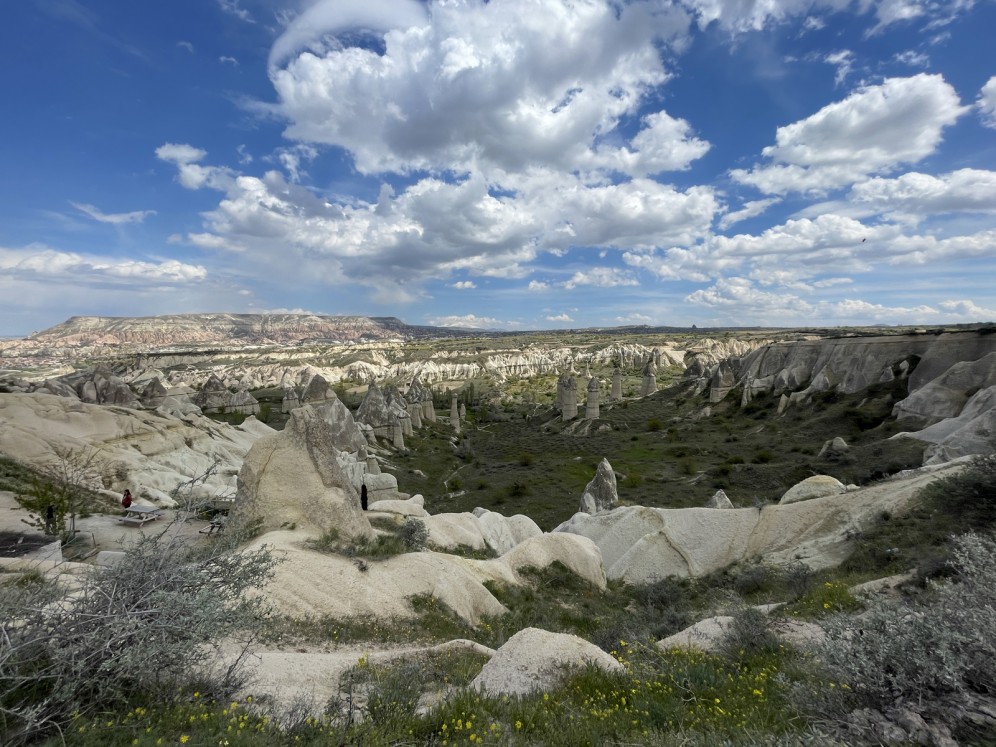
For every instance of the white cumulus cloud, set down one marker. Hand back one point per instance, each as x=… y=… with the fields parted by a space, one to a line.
x=872 y=131
x=986 y=103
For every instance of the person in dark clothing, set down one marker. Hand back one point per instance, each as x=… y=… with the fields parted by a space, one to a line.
x=126 y=499
x=363 y=497
x=50 y=519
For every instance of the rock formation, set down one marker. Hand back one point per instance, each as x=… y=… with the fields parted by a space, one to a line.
x=616 y=384
x=816 y=486
x=649 y=385
x=454 y=414
x=591 y=402
x=719 y=500
x=213 y=396
x=601 y=493
x=569 y=408
x=293 y=478
x=317 y=391
x=149 y=452
x=291 y=401
x=243 y=402
x=640 y=544
x=534 y=659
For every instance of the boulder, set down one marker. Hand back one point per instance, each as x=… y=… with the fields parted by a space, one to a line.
x=409 y=507
x=816 y=486
x=601 y=493
x=535 y=659
x=578 y=554
x=834 y=447
x=707 y=635
x=719 y=500
x=292 y=477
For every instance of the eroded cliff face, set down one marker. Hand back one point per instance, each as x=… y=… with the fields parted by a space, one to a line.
x=951 y=381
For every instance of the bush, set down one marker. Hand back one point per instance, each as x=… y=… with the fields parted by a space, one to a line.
x=414 y=534
x=654 y=425
x=918 y=651
x=747 y=636
x=140 y=630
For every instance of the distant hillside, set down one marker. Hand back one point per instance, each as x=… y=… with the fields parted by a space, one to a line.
x=214 y=329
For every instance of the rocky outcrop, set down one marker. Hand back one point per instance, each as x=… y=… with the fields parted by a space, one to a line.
x=479 y=530
x=293 y=478
x=244 y=403
x=534 y=660
x=816 y=486
x=649 y=385
x=971 y=432
x=213 y=396
x=640 y=544
x=591 y=409
x=719 y=500
x=946 y=395
x=601 y=494
x=149 y=452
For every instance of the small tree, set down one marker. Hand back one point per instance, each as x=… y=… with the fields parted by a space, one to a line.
x=67 y=486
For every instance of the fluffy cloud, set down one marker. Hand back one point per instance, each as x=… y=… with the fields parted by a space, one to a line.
x=601 y=277
x=560 y=318
x=465 y=284
x=873 y=130
x=537 y=285
x=47 y=264
x=917 y=195
x=433 y=228
x=986 y=103
x=507 y=85
x=136 y=216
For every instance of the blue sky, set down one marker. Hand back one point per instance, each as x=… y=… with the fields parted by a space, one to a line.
x=513 y=164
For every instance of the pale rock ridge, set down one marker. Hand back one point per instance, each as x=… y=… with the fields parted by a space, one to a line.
x=968 y=433
x=640 y=544
x=149 y=452
x=534 y=659
x=946 y=395
x=616 y=384
x=479 y=530
x=310 y=583
x=601 y=494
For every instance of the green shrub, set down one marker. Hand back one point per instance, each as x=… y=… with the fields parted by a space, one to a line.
x=763 y=456
x=654 y=425
x=414 y=534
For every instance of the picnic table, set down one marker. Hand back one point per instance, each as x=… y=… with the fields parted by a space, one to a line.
x=137 y=516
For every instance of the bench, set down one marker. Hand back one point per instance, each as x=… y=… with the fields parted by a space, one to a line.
x=137 y=516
